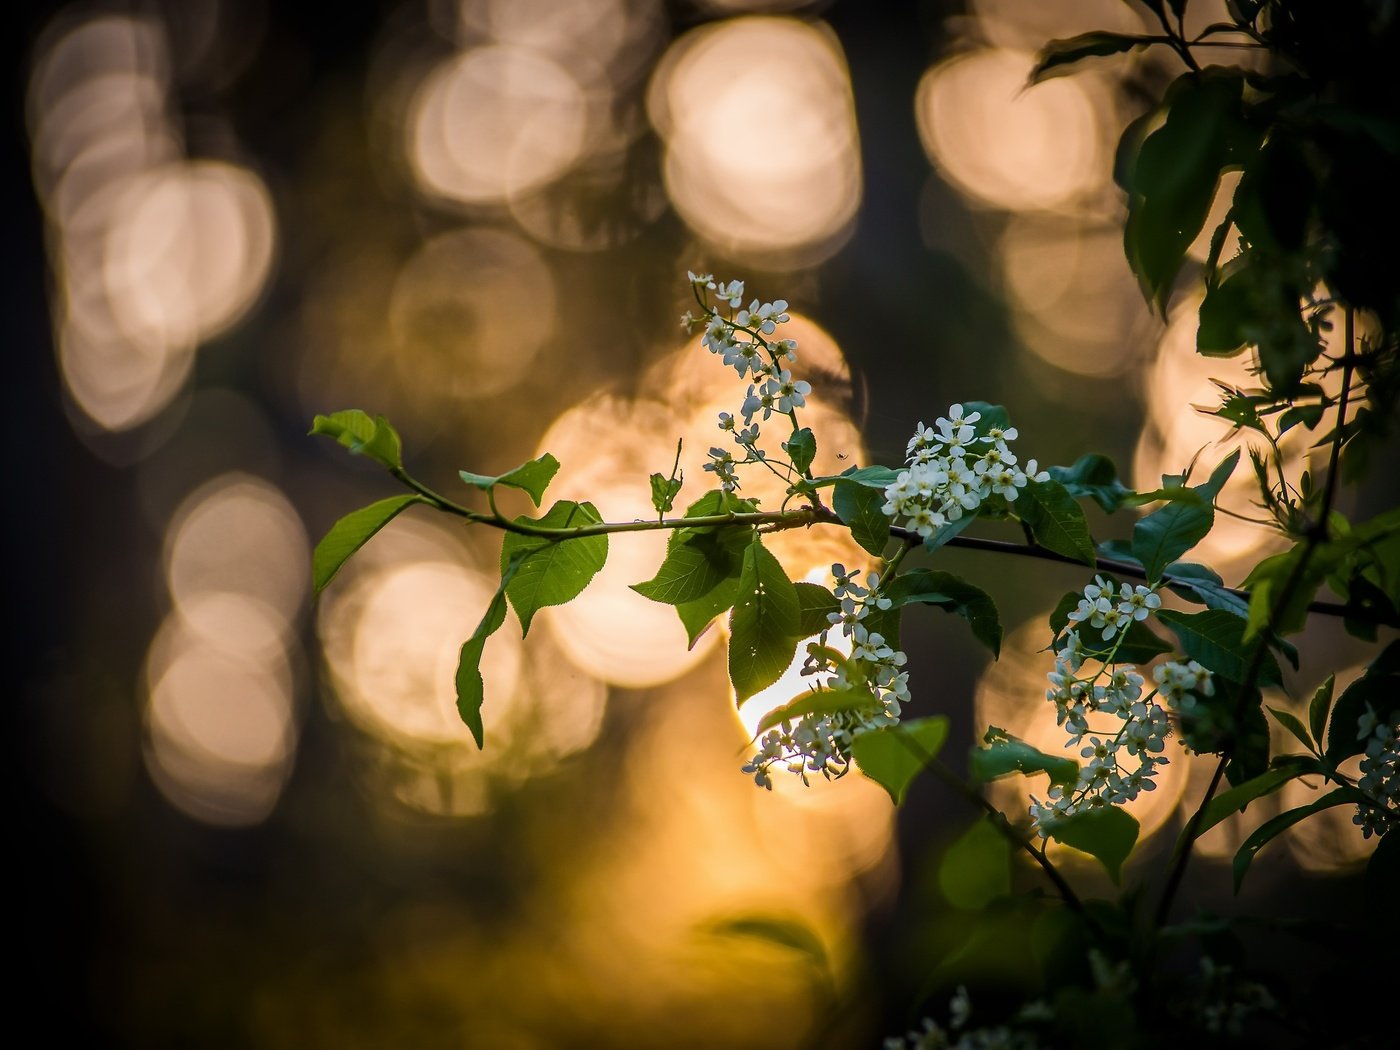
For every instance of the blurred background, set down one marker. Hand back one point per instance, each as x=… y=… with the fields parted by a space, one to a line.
x=253 y=819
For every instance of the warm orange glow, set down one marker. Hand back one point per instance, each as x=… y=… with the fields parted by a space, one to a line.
x=219 y=713
x=219 y=677
x=1178 y=380
x=603 y=43
x=1075 y=303
x=790 y=199
x=494 y=121
x=396 y=660
x=392 y=629
x=189 y=248
x=468 y=314
x=116 y=383
x=608 y=448
x=1017 y=24
x=1005 y=145
x=154 y=254
x=700 y=386
x=238 y=535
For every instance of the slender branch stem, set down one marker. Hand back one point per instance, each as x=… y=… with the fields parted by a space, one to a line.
x=1316 y=536
x=1008 y=831
x=804 y=517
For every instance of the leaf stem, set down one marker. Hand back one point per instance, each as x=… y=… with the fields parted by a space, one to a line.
x=1316 y=535
x=1008 y=831
x=803 y=517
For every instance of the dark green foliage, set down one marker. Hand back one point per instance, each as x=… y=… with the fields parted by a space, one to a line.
x=1005 y=754
x=949 y=592
x=1094 y=477
x=894 y=756
x=1055 y=58
x=1056 y=521
x=858 y=505
x=1107 y=834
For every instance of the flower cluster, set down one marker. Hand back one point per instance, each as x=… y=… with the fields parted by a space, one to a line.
x=1113 y=611
x=747 y=341
x=953 y=469
x=1380 y=775
x=958 y=1036
x=872 y=676
x=1121 y=731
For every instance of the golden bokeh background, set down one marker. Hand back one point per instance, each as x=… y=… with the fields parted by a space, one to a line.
x=261 y=821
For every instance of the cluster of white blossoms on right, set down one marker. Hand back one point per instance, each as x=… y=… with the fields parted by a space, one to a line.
x=1380 y=775
x=952 y=470
x=821 y=742
x=1119 y=730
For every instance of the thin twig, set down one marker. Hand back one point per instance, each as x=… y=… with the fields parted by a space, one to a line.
x=1317 y=534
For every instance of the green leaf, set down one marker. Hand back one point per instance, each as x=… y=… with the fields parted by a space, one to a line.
x=1308 y=415
x=1197 y=583
x=1270 y=830
x=1319 y=707
x=764 y=624
x=859 y=507
x=1270 y=576
x=1166 y=534
x=1093 y=477
x=549 y=571
x=814 y=604
x=694 y=567
x=1239 y=797
x=532 y=477
x=792 y=934
x=976 y=868
x=944 y=533
x=1291 y=723
x=351 y=533
x=362 y=435
x=470 y=689
x=894 y=756
x=663 y=492
x=1378 y=691
x=1056 y=521
x=697 y=615
x=817 y=702
x=875 y=477
x=953 y=594
x=1172 y=177
x=1006 y=754
x=716 y=501
x=1250 y=735
x=1226 y=318
x=1055 y=58
x=1107 y=834
x=990 y=416
x=801 y=449
x=1240 y=408
x=1215 y=639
